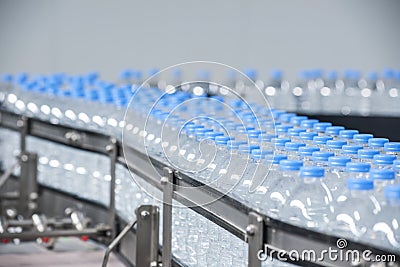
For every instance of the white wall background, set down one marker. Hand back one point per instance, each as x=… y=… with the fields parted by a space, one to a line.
x=83 y=35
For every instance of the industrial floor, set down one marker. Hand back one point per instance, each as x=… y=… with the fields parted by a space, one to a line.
x=66 y=252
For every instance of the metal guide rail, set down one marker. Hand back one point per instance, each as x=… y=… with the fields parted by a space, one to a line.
x=264 y=235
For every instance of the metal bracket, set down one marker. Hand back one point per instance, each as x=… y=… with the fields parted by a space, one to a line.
x=28 y=187
x=23 y=125
x=147 y=236
x=255 y=238
x=112 y=150
x=167 y=181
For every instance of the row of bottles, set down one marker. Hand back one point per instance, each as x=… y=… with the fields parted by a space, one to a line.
x=299 y=170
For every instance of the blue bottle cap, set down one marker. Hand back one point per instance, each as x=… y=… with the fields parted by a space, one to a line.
x=293 y=146
x=222 y=140
x=7 y=78
x=348 y=133
x=372 y=75
x=276 y=74
x=396 y=165
x=296 y=131
x=285 y=117
x=212 y=135
x=283 y=128
x=276 y=113
x=362 y=138
x=367 y=153
x=377 y=142
x=290 y=165
x=321 y=126
x=334 y=130
x=392 y=192
x=338 y=161
x=308 y=124
x=322 y=155
x=335 y=144
x=381 y=174
x=233 y=144
x=243 y=129
x=312 y=172
x=307 y=151
x=321 y=140
x=296 y=120
x=357 y=167
x=360 y=184
x=384 y=159
x=246 y=148
x=280 y=142
x=254 y=133
x=332 y=75
x=351 y=149
x=266 y=137
x=276 y=158
x=388 y=73
x=261 y=152
x=251 y=74
x=392 y=147
x=308 y=136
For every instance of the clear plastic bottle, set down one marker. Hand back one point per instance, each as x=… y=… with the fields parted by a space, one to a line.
x=320 y=141
x=320 y=158
x=362 y=139
x=366 y=155
x=347 y=135
x=355 y=209
x=335 y=146
x=310 y=203
x=307 y=137
x=279 y=144
x=377 y=143
x=294 y=134
x=321 y=127
x=350 y=151
x=392 y=148
x=335 y=178
x=387 y=225
x=359 y=170
x=292 y=148
x=381 y=178
x=382 y=161
x=333 y=131
x=308 y=124
x=277 y=195
x=305 y=154
x=296 y=120
x=396 y=168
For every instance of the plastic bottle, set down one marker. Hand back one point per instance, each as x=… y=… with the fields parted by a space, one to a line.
x=388 y=223
x=355 y=208
x=335 y=146
x=350 y=151
x=392 y=148
x=362 y=139
x=305 y=154
x=359 y=170
x=292 y=148
x=366 y=155
x=277 y=195
x=333 y=131
x=335 y=178
x=381 y=178
x=310 y=203
x=382 y=161
x=377 y=143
